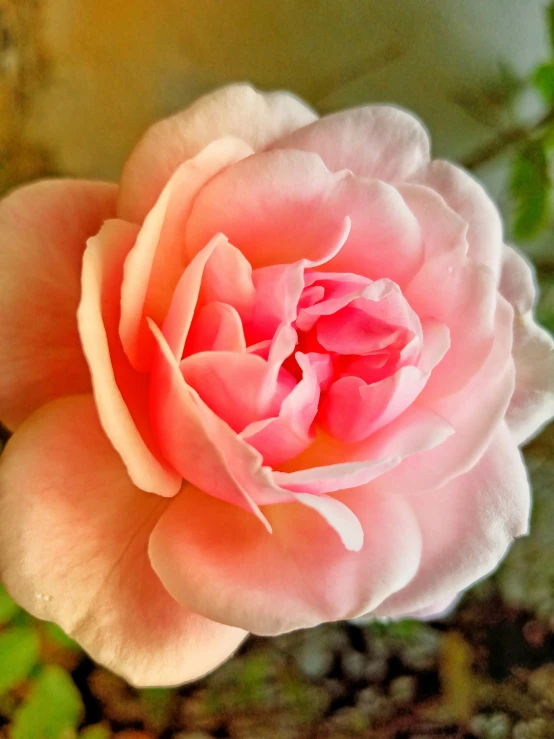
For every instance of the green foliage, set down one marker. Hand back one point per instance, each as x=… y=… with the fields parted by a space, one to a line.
x=531 y=189
x=550 y=23
x=59 y=636
x=543 y=79
x=53 y=709
x=8 y=609
x=19 y=653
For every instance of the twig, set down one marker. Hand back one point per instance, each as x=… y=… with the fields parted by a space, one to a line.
x=505 y=140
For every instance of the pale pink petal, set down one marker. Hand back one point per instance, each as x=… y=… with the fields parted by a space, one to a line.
x=205 y=450
x=352 y=409
x=517 y=281
x=234 y=386
x=43 y=233
x=299 y=576
x=453 y=290
x=157 y=260
x=475 y=412
x=236 y=110
x=333 y=477
x=121 y=393
x=470 y=200
x=442 y=229
x=415 y=430
x=379 y=142
x=215 y=327
x=466 y=525
x=435 y=343
x=532 y=404
x=73 y=549
x=275 y=207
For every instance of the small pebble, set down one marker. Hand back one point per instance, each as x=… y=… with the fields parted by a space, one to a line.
x=402 y=690
x=491 y=726
x=537 y=728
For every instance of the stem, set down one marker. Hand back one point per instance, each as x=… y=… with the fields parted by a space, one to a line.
x=505 y=140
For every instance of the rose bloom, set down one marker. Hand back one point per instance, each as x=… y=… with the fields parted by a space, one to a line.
x=276 y=377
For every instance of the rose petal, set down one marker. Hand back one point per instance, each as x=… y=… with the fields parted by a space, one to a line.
x=352 y=409
x=73 y=549
x=299 y=576
x=43 y=233
x=532 y=403
x=378 y=142
x=235 y=110
x=121 y=393
x=475 y=412
x=466 y=526
x=215 y=327
x=205 y=450
x=468 y=198
x=234 y=386
x=453 y=290
x=272 y=207
x=157 y=260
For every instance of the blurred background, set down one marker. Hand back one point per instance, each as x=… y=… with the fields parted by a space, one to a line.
x=79 y=82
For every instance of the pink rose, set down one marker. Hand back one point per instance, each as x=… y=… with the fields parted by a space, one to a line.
x=309 y=322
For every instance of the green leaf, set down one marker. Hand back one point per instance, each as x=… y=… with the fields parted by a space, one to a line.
x=53 y=709
x=59 y=636
x=19 y=653
x=8 y=608
x=531 y=188
x=543 y=79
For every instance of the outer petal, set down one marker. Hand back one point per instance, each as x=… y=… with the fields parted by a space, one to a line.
x=299 y=576
x=121 y=393
x=532 y=403
x=380 y=142
x=466 y=526
x=157 y=260
x=73 y=550
x=470 y=200
x=43 y=233
x=236 y=110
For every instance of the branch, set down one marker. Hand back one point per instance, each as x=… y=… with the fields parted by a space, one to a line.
x=507 y=139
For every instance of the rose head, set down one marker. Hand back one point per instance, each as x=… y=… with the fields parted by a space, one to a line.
x=277 y=377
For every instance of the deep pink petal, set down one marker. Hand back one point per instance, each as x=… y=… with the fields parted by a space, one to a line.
x=379 y=142
x=121 y=393
x=235 y=110
x=215 y=327
x=299 y=576
x=157 y=260
x=352 y=409
x=469 y=199
x=467 y=526
x=285 y=436
x=73 y=549
x=43 y=233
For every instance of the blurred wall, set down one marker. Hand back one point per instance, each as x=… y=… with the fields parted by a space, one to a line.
x=108 y=69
